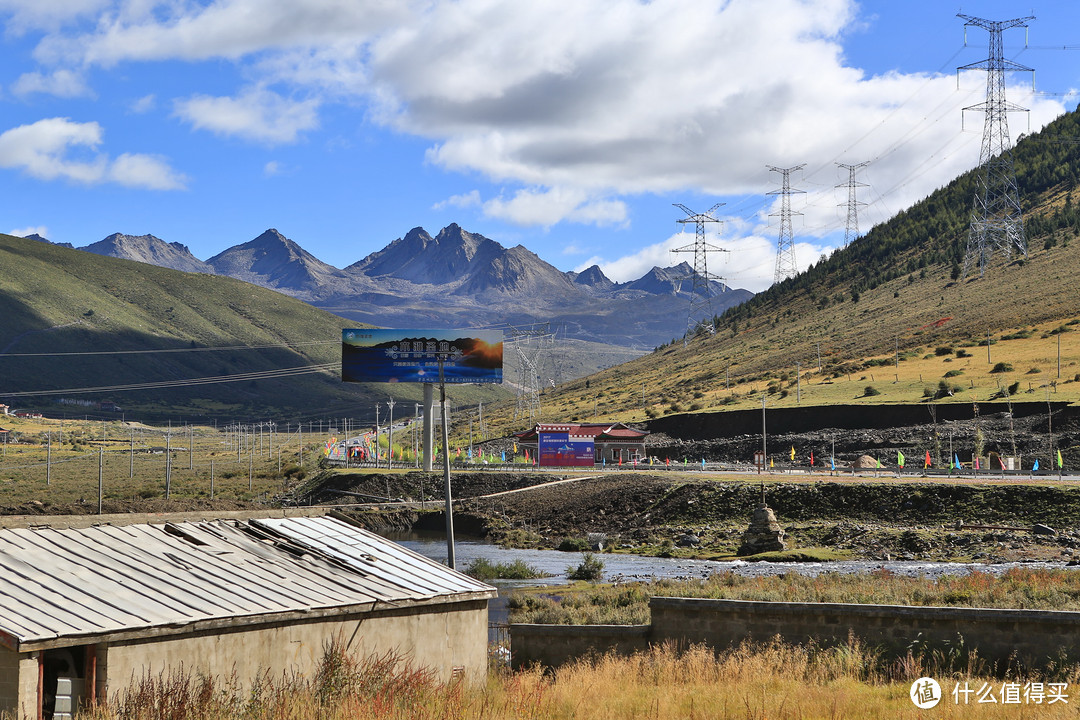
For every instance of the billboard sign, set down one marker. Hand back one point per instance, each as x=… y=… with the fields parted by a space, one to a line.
x=558 y=449
x=395 y=356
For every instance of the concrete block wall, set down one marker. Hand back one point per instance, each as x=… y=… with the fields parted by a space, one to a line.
x=447 y=639
x=1028 y=636
x=554 y=645
x=1034 y=637
x=18 y=683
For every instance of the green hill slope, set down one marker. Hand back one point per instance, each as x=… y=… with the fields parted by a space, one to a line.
x=55 y=301
x=889 y=312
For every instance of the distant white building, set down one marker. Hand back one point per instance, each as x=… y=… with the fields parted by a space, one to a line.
x=87 y=610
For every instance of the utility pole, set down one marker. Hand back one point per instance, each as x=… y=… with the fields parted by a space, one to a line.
x=798 y=383
x=785 y=244
x=996 y=220
x=851 y=230
x=390 y=440
x=700 y=313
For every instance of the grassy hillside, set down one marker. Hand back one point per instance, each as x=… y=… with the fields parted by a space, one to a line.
x=887 y=319
x=55 y=301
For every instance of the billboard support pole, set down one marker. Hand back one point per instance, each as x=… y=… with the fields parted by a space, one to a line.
x=429 y=408
x=446 y=470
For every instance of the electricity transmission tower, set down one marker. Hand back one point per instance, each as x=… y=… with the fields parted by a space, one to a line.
x=851 y=230
x=700 y=313
x=530 y=343
x=996 y=221
x=785 y=244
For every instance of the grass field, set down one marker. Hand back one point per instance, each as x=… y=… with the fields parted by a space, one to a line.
x=751 y=682
x=56 y=463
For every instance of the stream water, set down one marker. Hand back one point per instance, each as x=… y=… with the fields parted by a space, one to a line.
x=618 y=566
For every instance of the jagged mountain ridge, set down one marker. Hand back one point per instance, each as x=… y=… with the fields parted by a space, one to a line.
x=150 y=250
x=453 y=279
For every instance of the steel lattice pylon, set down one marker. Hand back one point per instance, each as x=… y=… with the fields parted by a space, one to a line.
x=851 y=230
x=700 y=312
x=785 y=244
x=529 y=342
x=996 y=220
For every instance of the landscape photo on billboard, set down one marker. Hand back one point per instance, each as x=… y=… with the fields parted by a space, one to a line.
x=399 y=356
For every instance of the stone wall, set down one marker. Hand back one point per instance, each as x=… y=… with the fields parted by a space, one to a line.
x=1029 y=636
x=18 y=683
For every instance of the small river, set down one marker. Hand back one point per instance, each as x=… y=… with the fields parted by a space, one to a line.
x=618 y=566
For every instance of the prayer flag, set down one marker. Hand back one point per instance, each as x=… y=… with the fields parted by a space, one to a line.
x=832 y=462
x=928 y=463
x=900 y=459
x=1035 y=466
x=811 y=458
x=1060 y=463
x=956 y=458
x=793 y=452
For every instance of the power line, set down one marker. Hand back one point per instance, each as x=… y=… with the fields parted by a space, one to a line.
x=171 y=350
x=209 y=380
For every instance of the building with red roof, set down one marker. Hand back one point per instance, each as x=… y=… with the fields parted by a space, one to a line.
x=583 y=444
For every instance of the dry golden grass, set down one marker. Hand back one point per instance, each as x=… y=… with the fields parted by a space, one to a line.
x=770 y=680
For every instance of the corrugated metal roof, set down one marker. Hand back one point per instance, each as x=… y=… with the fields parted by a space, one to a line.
x=106 y=579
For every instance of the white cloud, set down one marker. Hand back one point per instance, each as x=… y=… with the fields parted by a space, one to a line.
x=39 y=230
x=57 y=148
x=749 y=262
x=144 y=104
x=145 y=171
x=571 y=104
x=61 y=83
x=465 y=200
x=256 y=114
x=546 y=207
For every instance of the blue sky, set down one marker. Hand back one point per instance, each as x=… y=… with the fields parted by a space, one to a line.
x=569 y=126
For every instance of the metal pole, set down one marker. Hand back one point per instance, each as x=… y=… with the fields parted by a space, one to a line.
x=300 y=429
x=48 y=461
x=211 y=478
x=100 y=479
x=429 y=439
x=390 y=440
x=450 y=561
x=798 y=384
x=131 y=456
x=168 y=463
x=190 y=443
x=764 y=446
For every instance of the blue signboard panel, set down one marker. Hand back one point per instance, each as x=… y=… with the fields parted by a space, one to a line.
x=393 y=356
x=558 y=449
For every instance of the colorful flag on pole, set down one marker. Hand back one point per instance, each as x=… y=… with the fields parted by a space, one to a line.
x=976 y=462
x=668 y=461
x=900 y=459
x=878 y=463
x=1035 y=467
x=928 y=462
x=832 y=462
x=792 y=452
x=702 y=463
x=504 y=455
x=956 y=459
x=1001 y=462
x=1060 y=462
x=515 y=448
x=811 y=458
x=771 y=463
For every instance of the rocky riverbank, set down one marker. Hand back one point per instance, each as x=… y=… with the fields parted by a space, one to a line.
x=694 y=516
